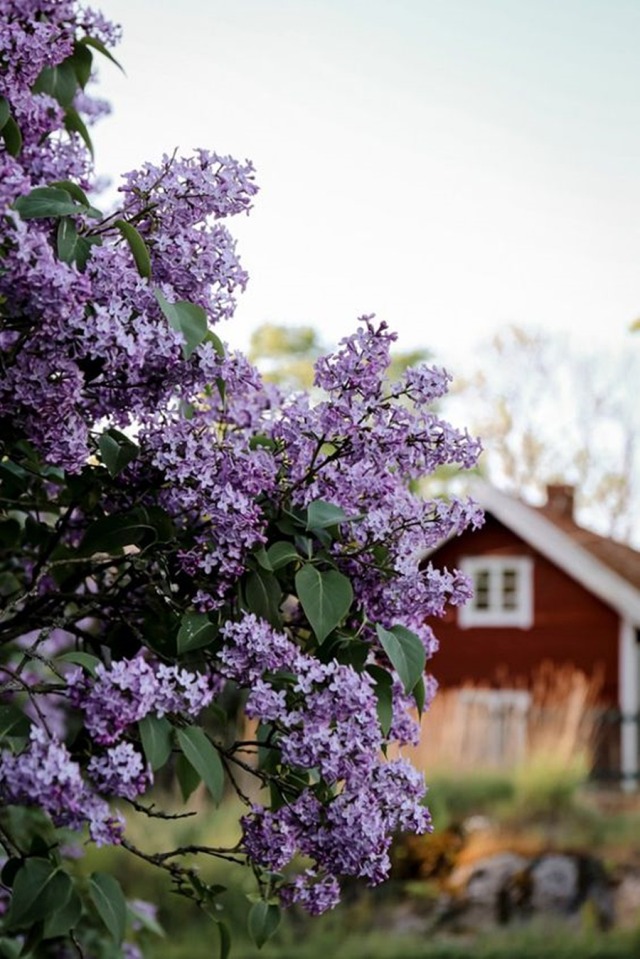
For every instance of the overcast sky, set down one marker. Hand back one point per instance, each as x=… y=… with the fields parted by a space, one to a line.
x=451 y=165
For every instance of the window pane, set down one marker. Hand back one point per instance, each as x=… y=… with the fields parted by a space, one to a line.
x=509 y=588
x=481 y=600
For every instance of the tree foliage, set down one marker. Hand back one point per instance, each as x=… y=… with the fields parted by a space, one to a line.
x=175 y=535
x=551 y=413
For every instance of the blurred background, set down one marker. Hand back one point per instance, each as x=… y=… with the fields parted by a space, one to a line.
x=469 y=171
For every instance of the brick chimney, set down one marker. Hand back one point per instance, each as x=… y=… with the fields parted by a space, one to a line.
x=560 y=499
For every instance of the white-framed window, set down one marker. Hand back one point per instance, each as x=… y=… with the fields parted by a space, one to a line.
x=502 y=591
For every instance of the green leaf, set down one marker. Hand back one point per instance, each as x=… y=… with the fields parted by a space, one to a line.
x=40 y=888
x=64 y=918
x=112 y=533
x=5 y=111
x=216 y=342
x=225 y=939
x=72 y=246
x=204 y=758
x=13 y=722
x=196 y=630
x=156 y=734
x=81 y=60
x=406 y=654
x=99 y=45
x=161 y=523
x=137 y=246
x=264 y=919
x=261 y=441
x=117 y=450
x=322 y=515
x=59 y=82
x=419 y=693
x=47 y=201
x=281 y=554
x=76 y=192
x=74 y=123
x=326 y=598
x=188 y=319
x=87 y=660
x=260 y=555
x=384 y=695
x=67 y=240
x=12 y=137
x=10 y=948
x=9 y=584
x=188 y=778
x=111 y=906
x=263 y=595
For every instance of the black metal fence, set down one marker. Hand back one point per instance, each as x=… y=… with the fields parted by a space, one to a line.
x=609 y=727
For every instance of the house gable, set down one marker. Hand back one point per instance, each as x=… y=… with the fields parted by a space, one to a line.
x=584 y=564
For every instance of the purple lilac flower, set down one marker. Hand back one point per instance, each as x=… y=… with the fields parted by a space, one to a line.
x=129 y=690
x=131 y=951
x=253 y=647
x=142 y=911
x=120 y=771
x=44 y=775
x=315 y=893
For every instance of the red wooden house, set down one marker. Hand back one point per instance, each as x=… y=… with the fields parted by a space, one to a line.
x=549 y=590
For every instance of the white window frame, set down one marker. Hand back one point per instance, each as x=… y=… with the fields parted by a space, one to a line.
x=495 y=614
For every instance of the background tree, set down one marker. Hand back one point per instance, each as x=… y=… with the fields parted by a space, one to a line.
x=548 y=412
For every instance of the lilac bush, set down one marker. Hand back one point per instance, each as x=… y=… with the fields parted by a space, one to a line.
x=176 y=536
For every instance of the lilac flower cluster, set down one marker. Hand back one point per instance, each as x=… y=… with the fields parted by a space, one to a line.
x=120 y=771
x=359 y=448
x=175 y=473
x=325 y=722
x=253 y=648
x=172 y=203
x=98 y=348
x=349 y=836
x=129 y=690
x=212 y=479
x=45 y=775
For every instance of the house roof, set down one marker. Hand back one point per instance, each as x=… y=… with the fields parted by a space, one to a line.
x=608 y=569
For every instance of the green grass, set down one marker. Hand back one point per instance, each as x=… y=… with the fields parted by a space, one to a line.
x=320 y=940
x=362 y=927
x=453 y=798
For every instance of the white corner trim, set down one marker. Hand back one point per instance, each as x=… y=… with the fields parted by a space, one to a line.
x=628 y=701
x=560 y=549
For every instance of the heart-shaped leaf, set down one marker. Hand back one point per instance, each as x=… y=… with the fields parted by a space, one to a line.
x=406 y=653
x=326 y=598
x=264 y=919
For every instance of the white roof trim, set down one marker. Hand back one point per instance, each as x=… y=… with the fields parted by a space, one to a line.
x=539 y=532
